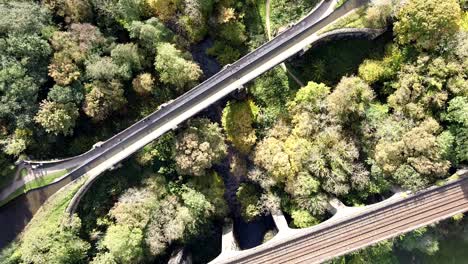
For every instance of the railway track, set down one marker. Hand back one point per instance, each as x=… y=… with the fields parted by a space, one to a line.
x=365 y=229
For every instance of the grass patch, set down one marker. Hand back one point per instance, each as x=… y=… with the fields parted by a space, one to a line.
x=329 y=62
x=39 y=182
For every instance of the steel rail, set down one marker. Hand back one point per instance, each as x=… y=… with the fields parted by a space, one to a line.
x=323 y=240
x=419 y=219
x=382 y=222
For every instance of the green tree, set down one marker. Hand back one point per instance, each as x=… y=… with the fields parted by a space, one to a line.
x=159 y=154
x=73 y=11
x=420 y=239
x=57 y=118
x=198 y=147
x=271 y=92
x=144 y=84
x=105 y=69
x=72 y=49
x=67 y=94
x=233 y=33
x=195 y=18
x=224 y=53
x=424 y=87
x=427 y=23
x=124 y=243
x=123 y=12
x=176 y=67
x=149 y=33
x=373 y=71
x=103 y=98
x=415 y=157
x=457 y=116
x=31 y=51
x=46 y=246
x=212 y=187
x=306 y=147
x=237 y=121
x=303 y=219
x=164 y=9
x=127 y=57
x=350 y=99
x=248 y=197
x=18 y=95
x=23 y=17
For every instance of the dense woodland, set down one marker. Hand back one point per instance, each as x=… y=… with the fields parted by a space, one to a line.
x=75 y=72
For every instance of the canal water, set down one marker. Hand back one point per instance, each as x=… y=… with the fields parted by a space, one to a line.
x=15 y=215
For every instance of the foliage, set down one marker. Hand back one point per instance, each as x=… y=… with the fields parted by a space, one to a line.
x=56 y=117
x=144 y=84
x=73 y=11
x=198 y=147
x=195 y=17
x=225 y=54
x=128 y=57
x=164 y=9
x=176 y=67
x=311 y=149
x=122 y=11
x=72 y=48
x=67 y=94
x=230 y=33
x=271 y=92
x=349 y=101
x=427 y=23
x=149 y=33
x=424 y=87
x=456 y=115
x=248 y=197
x=413 y=159
x=105 y=69
x=23 y=17
x=372 y=71
x=420 y=239
x=237 y=121
x=18 y=94
x=212 y=187
x=302 y=219
x=380 y=253
x=103 y=98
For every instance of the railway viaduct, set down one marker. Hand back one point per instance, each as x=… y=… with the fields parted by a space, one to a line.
x=353 y=228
